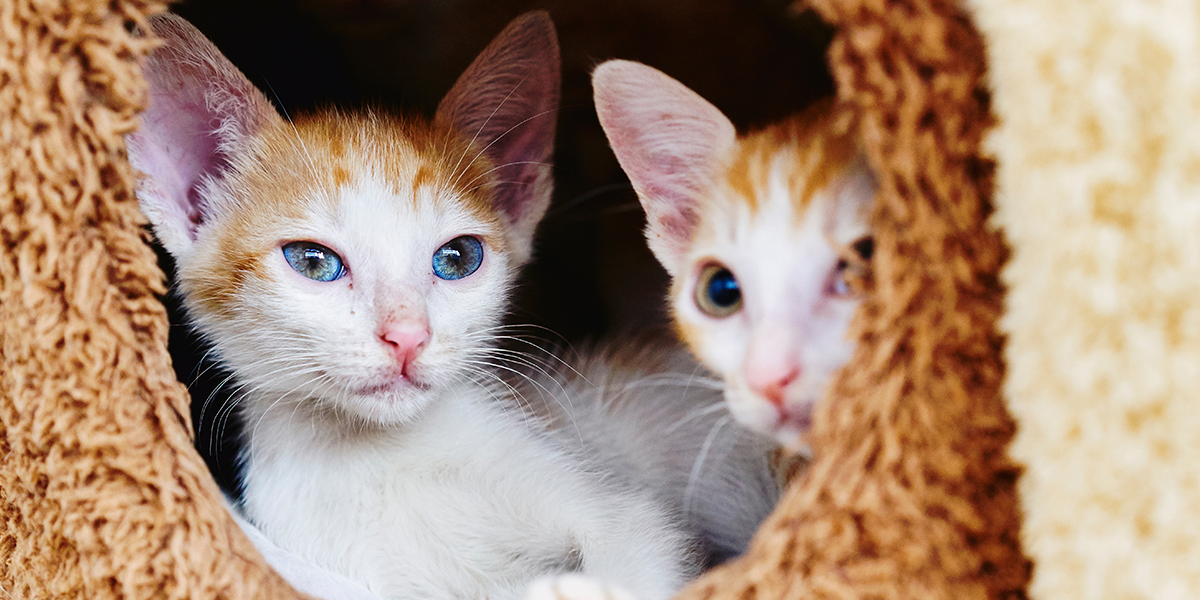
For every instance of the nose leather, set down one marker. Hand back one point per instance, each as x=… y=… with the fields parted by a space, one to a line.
x=772 y=380
x=405 y=339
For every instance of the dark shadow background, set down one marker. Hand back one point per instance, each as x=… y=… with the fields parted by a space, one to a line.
x=756 y=60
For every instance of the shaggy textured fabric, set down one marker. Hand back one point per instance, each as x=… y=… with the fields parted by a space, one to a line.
x=911 y=494
x=1099 y=191
x=101 y=493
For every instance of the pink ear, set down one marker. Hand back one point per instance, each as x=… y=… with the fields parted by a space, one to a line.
x=201 y=114
x=669 y=141
x=507 y=102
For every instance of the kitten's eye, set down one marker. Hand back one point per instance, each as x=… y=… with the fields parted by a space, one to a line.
x=314 y=261
x=458 y=257
x=849 y=273
x=717 y=292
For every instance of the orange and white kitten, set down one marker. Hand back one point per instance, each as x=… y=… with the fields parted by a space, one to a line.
x=765 y=237
x=350 y=270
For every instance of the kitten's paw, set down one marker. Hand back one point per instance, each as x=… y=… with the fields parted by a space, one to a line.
x=575 y=587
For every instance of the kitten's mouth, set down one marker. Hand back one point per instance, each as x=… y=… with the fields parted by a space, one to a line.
x=799 y=418
x=397 y=383
x=793 y=425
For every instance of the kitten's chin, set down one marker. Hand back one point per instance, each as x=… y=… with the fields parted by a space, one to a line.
x=794 y=439
x=790 y=427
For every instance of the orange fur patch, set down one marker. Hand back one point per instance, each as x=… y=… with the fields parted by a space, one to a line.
x=823 y=145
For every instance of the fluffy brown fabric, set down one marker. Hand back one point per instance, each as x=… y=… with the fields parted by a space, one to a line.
x=101 y=493
x=910 y=494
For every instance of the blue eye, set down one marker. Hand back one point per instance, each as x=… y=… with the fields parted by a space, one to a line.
x=314 y=261
x=717 y=292
x=458 y=257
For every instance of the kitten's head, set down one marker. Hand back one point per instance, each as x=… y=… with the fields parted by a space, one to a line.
x=350 y=262
x=766 y=238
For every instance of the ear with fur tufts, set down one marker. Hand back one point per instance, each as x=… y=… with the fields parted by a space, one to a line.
x=507 y=102
x=669 y=141
x=201 y=115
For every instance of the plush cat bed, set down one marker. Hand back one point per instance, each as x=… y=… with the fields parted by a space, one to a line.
x=101 y=492
x=911 y=495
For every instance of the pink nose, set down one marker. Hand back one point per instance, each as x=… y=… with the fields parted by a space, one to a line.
x=405 y=339
x=772 y=379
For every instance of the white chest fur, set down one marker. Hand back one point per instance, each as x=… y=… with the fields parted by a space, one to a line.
x=468 y=501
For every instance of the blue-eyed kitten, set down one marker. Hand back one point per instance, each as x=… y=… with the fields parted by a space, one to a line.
x=348 y=268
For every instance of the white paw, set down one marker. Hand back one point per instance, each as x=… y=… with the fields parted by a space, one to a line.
x=575 y=587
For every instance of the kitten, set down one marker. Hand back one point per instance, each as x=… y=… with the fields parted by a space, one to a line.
x=766 y=238
x=350 y=270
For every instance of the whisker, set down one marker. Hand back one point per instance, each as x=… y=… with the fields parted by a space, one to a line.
x=588 y=195
x=505 y=165
x=482 y=126
x=697 y=466
x=692 y=415
x=312 y=166
x=569 y=407
x=506 y=132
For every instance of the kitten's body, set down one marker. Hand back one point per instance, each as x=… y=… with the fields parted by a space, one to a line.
x=649 y=410
x=330 y=263
x=766 y=238
x=466 y=502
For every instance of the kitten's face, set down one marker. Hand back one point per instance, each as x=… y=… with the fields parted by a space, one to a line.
x=351 y=265
x=766 y=239
x=765 y=293
x=366 y=288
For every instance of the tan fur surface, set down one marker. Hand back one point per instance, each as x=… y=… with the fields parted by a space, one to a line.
x=910 y=493
x=1099 y=192
x=101 y=493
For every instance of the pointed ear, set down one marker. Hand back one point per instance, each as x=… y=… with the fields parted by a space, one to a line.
x=669 y=141
x=202 y=113
x=506 y=102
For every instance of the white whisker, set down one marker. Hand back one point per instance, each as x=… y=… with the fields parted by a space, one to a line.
x=312 y=166
x=478 y=131
x=506 y=132
x=698 y=465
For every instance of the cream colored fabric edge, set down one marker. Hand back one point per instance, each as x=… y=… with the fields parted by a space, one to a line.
x=1098 y=192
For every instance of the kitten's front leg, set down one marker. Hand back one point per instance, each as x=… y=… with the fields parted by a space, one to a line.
x=573 y=586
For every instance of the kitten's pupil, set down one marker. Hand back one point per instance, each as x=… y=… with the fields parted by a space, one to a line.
x=864 y=247
x=458 y=258
x=718 y=293
x=723 y=289
x=314 y=261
